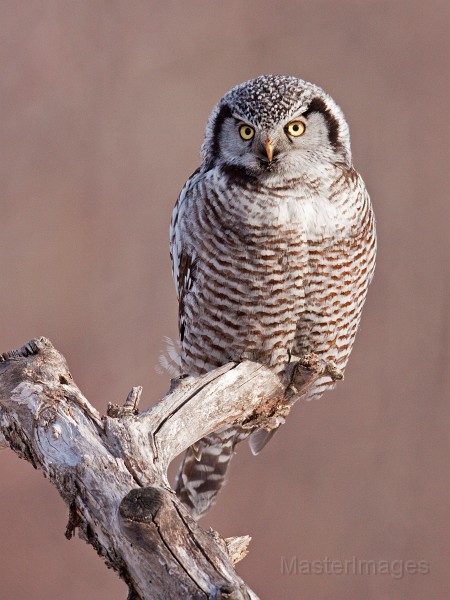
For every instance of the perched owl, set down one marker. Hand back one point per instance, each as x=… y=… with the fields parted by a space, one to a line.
x=273 y=247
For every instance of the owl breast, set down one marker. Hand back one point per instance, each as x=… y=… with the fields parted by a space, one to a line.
x=273 y=271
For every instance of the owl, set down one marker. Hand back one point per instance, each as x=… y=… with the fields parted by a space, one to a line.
x=273 y=247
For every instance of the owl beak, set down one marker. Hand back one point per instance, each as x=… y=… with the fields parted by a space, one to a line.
x=269 y=148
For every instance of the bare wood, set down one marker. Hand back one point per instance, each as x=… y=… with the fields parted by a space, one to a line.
x=3 y=442
x=237 y=547
x=111 y=471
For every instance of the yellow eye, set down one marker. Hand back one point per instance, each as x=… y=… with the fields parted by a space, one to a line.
x=296 y=128
x=246 y=132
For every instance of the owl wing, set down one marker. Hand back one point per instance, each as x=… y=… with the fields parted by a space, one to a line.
x=183 y=258
x=186 y=277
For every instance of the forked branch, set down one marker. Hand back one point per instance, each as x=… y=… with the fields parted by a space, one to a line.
x=112 y=470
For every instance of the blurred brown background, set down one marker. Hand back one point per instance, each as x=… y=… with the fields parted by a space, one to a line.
x=103 y=106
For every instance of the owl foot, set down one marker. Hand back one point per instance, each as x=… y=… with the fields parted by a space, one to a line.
x=307 y=370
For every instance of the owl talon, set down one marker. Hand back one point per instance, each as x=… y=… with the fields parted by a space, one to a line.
x=313 y=363
x=306 y=371
x=334 y=372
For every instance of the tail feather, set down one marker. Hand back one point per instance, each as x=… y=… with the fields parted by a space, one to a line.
x=258 y=439
x=203 y=470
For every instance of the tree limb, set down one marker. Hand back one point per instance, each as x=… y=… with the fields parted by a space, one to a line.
x=112 y=471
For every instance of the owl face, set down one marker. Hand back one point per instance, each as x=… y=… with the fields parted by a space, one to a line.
x=276 y=127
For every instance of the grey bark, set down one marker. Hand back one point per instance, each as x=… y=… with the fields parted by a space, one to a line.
x=112 y=470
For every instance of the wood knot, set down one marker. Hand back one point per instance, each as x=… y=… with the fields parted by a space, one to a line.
x=130 y=406
x=141 y=504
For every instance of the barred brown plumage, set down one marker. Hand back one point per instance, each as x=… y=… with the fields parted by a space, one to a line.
x=272 y=251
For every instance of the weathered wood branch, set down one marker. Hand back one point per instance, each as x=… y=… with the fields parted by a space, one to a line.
x=111 y=470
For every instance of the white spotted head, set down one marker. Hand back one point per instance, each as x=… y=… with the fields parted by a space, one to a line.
x=276 y=126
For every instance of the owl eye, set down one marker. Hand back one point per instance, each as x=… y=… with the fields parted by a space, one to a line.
x=246 y=132
x=296 y=128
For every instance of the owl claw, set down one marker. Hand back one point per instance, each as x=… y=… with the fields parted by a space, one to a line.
x=334 y=372
x=306 y=371
x=312 y=362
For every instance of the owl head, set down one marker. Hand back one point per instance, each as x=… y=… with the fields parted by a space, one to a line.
x=276 y=126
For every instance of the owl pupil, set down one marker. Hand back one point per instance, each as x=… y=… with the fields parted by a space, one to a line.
x=295 y=128
x=248 y=131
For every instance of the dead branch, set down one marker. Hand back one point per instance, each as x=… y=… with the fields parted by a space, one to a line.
x=112 y=471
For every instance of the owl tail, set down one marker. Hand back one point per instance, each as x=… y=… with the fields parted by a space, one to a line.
x=204 y=467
